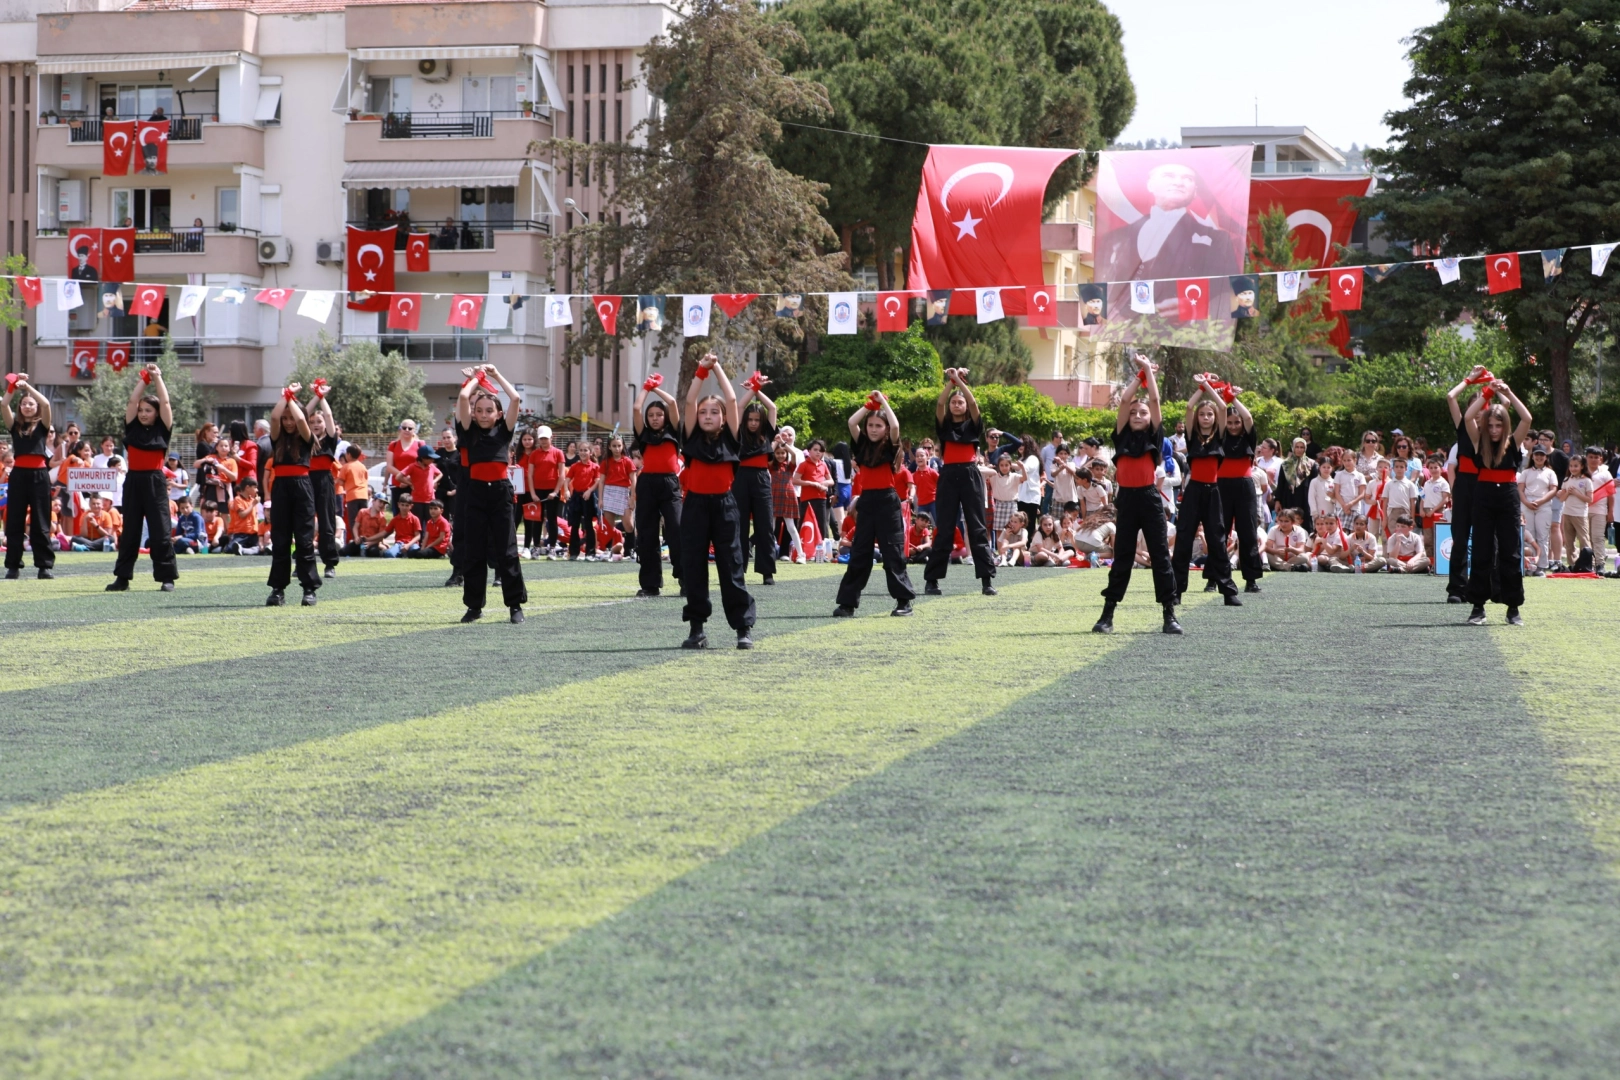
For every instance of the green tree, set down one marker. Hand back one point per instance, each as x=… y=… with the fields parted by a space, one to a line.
x=1444 y=360
x=372 y=391
x=101 y=404
x=11 y=305
x=992 y=352
x=1509 y=146
x=697 y=205
x=869 y=360
x=1280 y=350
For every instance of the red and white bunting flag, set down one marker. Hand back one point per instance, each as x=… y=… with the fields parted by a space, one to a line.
x=276 y=298
x=148 y=300
x=1041 y=304
x=607 y=310
x=893 y=312
x=733 y=303
x=465 y=309
x=1502 y=271
x=1192 y=298
x=118 y=354
x=405 y=312
x=153 y=139
x=31 y=289
x=417 y=259
x=117 y=146
x=1346 y=290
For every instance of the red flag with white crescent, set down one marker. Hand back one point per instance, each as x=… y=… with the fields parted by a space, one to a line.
x=417 y=259
x=153 y=139
x=1192 y=298
x=405 y=312
x=84 y=359
x=118 y=354
x=32 y=290
x=118 y=254
x=893 y=312
x=276 y=298
x=148 y=300
x=465 y=309
x=1345 y=288
x=1502 y=271
x=978 y=221
x=1041 y=302
x=607 y=310
x=85 y=245
x=371 y=266
x=1320 y=220
x=117 y=146
x=733 y=303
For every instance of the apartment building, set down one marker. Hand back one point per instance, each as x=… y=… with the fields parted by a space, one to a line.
x=290 y=119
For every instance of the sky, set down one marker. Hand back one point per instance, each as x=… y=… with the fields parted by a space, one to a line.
x=1336 y=68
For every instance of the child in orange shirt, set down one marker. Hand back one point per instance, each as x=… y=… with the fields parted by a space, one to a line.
x=355 y=485
x=242 y=527
x=99 y=527
x=370 y=521
x=213 y=527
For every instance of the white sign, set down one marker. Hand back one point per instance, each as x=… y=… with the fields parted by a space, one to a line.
x=92 y=480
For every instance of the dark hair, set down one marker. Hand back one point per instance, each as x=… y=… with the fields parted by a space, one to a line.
x=435 y=504
x=925 y=520
x=1403 y=519
x=182 y=499
x=239 y=431
x=352 y=452
x=406 y=496
x=252 y=483
x=211 y=504
x=818 y=442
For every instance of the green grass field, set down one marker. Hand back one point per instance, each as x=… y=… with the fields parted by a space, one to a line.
x=1334 y=834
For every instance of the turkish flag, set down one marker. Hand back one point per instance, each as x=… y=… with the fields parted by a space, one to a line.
x=31 y=289
x=607 y=309
x=153 y=138
x=85 y=242
x=465 y=309
x=117 y=254
x=117 y=146
x=733 y=303
x=371 y=266
x=978 y=221
x=417 y=259
x=1502 y=271
x=1345 y=290
x=276 y=298
x=84 y=359
x=1041 y=302
x=1192 y=297
x=893 y=312
x=118 y=354
x=148 y=300
x=1321 y=219
x=405 y=312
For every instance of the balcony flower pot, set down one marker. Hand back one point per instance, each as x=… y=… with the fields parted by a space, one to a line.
x=527 y=107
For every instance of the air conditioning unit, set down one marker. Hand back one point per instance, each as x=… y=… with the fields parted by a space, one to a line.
x=433 y=70
x=329 y=251
x=274 y=250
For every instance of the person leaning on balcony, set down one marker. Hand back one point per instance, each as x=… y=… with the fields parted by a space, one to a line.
x=193 y=237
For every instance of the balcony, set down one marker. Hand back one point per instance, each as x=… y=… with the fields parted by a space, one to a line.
x=442 y=125
x=173 y=251
x=63 y=146
x=473 y=247
x=436 y=348
x=422 y=136
x=88 y=130
x=1066 y=236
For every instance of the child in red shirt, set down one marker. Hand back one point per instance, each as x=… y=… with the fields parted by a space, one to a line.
x=435 y=534
x=583 y=477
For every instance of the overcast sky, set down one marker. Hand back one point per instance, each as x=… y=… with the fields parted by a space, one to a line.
x=1336 y=68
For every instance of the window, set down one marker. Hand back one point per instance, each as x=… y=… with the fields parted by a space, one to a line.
x=570 y=78
x=618 y=77
x=618 y=120
x=503 y=94
x=390 y=94
x=585 y=129
x=587 y=68
x=146 y=209
x=602 y=82
x=230 y=206
x=139 y=100
x=602 y=114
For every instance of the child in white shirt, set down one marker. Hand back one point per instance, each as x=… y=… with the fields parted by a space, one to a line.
x=1405 y=549
x=1287 y=545
x=1436 y=500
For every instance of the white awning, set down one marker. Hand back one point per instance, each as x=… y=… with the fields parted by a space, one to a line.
x=432 y=174
x=440 y=52
x=87 y=63
x=554 y=98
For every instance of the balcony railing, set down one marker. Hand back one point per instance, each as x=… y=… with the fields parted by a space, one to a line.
x=454 y=236
x=444 y=125
x=88 y=130
x=146 y=349
x=1296 y=168
x=185 y=240
x=430 y=348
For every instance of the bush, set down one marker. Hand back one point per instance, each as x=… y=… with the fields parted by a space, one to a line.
x=863 y=361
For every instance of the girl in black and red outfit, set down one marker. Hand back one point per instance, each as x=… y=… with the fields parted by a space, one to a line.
x=878 y=517
x=753 y=487
x=1463 y=484
x=323 y=476
x=1239 y=504
x=709 y=514
x=292 y=501
x=148 y=422
x=1201 y=498
x=28 y=502
x=485 y=533
x=658 y=488
x=1138 y=453
x=960 y=431
x=1496 y=567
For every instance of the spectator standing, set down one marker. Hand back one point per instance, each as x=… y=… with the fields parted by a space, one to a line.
x=1538 y=487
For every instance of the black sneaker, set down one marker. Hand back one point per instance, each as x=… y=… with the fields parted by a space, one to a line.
x=1210 y=586
x=1171 y=626
x=331 y=572
x=1103 y=626
x=1233 y=601
x=45 y=574
x=1454 y=599
x=276 y=599
x=988 y=589
x=1252 y=587
x=932 y=589
x=744 y=641
x=770 y=579
x=13 y=574
x=647 y=593
x=119 y=585
x=1514 y=618
x=473 y=615
x=842 y=612
x=902 y=609
x=516 y=614
x=453 y=582
x=167 y=586
x=697 y=639
x=1477 y=616
x=309 y=598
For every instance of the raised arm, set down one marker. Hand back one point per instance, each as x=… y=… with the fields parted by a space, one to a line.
x=321 y=406
x=954 y=378
x=1523 y=429
x=136 y=390
x=1242 y=410
x=728 y=395
x=1471 y=418
x=1144 y=369
x=767 y=403
x=514 y=401
x=1456 y=391
x=6 y=418
x=469 y=382
x=694 y=391
x=289 y=403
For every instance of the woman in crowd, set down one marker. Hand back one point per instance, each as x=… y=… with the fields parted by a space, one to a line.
x=401 y=456
x=485 y=535
x=323 y=477
x=1496 y=570
x=148 y=423
x=28 y=502
x=709 y=514
x=1138 y=455
x=1201 y=498
x=1239 y=501
x=292 y=501
x=841 y=465
x=753 y=491
x=877 y=454
x=207 y=436
x=959 y=430
x=658 y=489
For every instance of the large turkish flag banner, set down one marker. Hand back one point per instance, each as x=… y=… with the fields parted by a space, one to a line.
x=371 y=266
x=118 y=254
x=153 y=139
x=117 y=146
x=1321 y=218
x=978 y=221
x=86 y=244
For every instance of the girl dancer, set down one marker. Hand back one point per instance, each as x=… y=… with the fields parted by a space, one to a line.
x=877 y=455
x=323 y=476
x=1236 y=485
x=1201 y=499
x=148 y=422
x=1462 y=492
x=292 y=501
x=959 y=430
x=709 y=514
x=1138 y=453
x=753 y=489
x=658 y=489
x=28 y=504
x=1495 y=531
x=485 y=535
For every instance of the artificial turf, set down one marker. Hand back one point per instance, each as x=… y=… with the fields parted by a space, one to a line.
x=1332 y=834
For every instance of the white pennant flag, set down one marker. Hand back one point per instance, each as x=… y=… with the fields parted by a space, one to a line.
x=497 y=312
x=1287 y=286
x=559 y=311
x=68 y=296
x=987 y=302
x=1449 y=271
x=843 y=312
x=695 y=312
x=1142 y=297
x=317 y=305
x=191 y=300
x=1600 y=258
